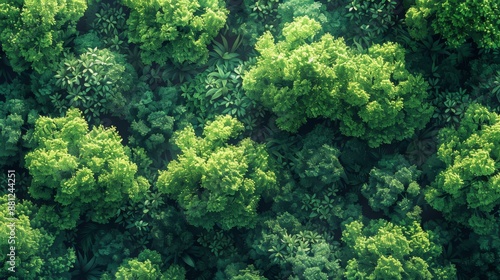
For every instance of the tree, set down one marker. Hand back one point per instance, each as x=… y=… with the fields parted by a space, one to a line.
x=217 y=183
x=467 y=191
x=457 y=21
x=382 y=250
x=96 y=82
x=372 y=95
x=36 y=253
x=80 y=172
x=393 y=188
x=176 y=30
x=35 y=33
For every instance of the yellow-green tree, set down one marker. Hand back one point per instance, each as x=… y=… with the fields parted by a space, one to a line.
x=383 y=250
x=217 y=183
x=468 y=190
x=34 y=32
x=372 y=95
x=78 y=172
x=177 y=30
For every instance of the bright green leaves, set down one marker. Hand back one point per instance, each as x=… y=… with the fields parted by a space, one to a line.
x=175 y=30
x=457 y=21
x=35 y=33
x=372 y=95
x=382 y=250
x=215 y=182
x=83 y=172
x=467 y=191
x=37 y=253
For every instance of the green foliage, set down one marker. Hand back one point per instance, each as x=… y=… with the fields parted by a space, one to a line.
x=393 y=188
x=371 y=19
x=457 y=21
x=466 y=191
x=218 y=91
x=485 y=82
x=16 y=110
x=80 y=172
x=96 y=82
x=110 y=24
x=174 y=30
x=153 y=116
x=146 y=266
x=38 y=253
x=372 y=95
x=383 y=250
x=451 y=107
x=297 y=251
x=35 y=34
x=215 y=182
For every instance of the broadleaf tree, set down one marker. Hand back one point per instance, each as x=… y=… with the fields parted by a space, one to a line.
x=372 y=95
x=214 y=182
x=77 y=172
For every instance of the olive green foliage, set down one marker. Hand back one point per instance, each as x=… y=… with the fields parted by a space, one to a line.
x=299 y=252
x=174 y=30
x=38 y=254
x=217 y=183
x=383 y=250
x=34 y=34
x=78 y=172
x=393 y=188
x=467 y=190
x=372 y=95
x=96 y=82
x=457 y=21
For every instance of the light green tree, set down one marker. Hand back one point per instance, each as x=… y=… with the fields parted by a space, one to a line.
x=468 y=190
x=37 y=253
x=372 y=95
x=34 y=32
x=217 y=183
x=456 y=20
x=178 y=30
x=80 y=172
x=383 y=250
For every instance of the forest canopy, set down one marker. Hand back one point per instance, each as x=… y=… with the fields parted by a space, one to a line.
x=250 y=139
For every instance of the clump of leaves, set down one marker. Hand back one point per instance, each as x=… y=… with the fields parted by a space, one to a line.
x=466 y=190
x=383 y=250
x=218 y=91
x=97 y=82
x=393 y=189
x=370 y=19
x=451 y=107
